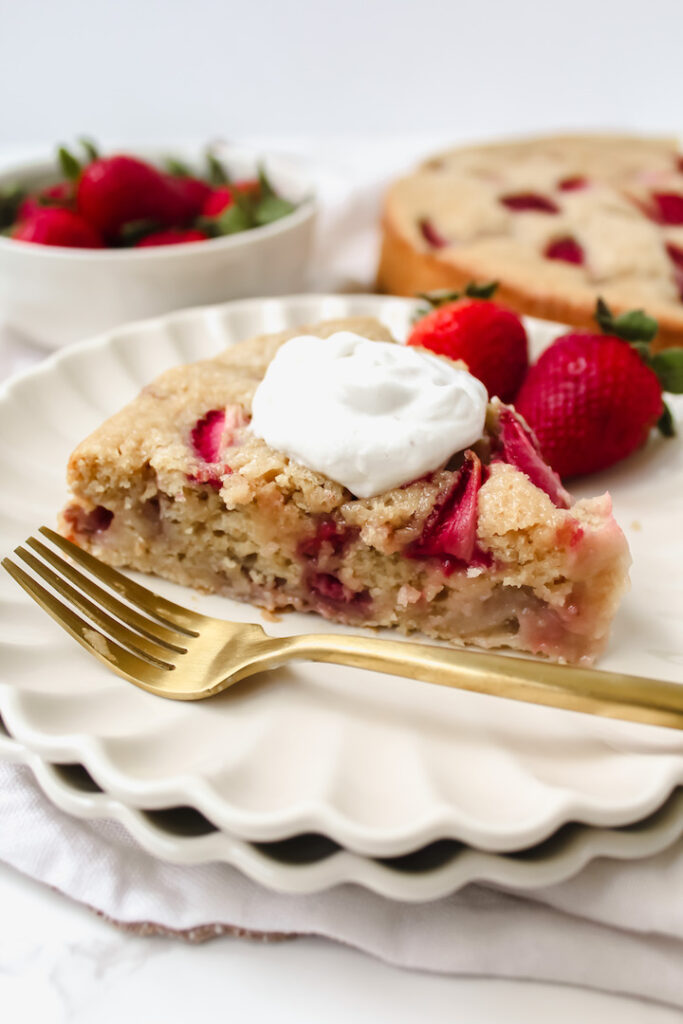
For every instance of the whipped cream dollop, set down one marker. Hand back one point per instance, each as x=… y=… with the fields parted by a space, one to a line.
x=371 y=415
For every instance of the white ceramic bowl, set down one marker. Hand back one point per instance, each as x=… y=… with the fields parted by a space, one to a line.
x=57 y=295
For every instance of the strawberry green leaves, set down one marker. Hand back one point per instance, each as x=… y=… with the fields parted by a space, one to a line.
x=639 y=330
x=634 y=326
x=216 y=173
x=668 y=365
x=441 y=296
x=255 y=205
x=11 y=197
x=68 y=164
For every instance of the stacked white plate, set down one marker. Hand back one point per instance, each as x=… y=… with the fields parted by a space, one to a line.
x=312 y=776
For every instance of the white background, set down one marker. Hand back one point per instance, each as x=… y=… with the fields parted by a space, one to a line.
x=195 y=69
x=159 y=69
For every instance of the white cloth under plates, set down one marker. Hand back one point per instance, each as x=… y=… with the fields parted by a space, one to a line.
x=616 y=926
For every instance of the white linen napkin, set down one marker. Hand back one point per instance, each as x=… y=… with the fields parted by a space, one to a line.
x=616 y=926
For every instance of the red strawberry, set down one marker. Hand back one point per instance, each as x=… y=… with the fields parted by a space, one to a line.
x=218 y=200
x=566 y=249
x=88 y=523
x=173 y=236
x=573 y=184
x=450 y=532
x=194 y=191
x=431 y=235
x=207 y=434
x=54 y=225
x=519 y=448
x=118 y=190
x=668 y=207
x=490 y=339
x=676 y=257
x=592 y=399
x=529 y=201
x=61 y=194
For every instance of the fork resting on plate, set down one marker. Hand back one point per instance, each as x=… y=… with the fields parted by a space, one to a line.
x=174 y=652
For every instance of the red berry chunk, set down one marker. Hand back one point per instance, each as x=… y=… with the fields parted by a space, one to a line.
x=573 y=184
x=566 y=249
x=529 y=201
x=519 y=448
x=330 y=536
x=331 y=590
x=451 y=529
x=431 y=235
x=668 y=207
x=88 y=523
x=207 y=435
x=676 y=256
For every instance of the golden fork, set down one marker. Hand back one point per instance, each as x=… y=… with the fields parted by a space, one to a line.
x=174 y=652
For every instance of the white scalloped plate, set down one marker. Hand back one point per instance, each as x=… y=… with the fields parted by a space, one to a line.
x=382 y=765
x=309 y=864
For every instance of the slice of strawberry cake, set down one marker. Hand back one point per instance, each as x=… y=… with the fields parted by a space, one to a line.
x=329 y=469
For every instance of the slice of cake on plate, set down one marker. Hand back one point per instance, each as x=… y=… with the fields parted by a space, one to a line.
x=329 y=469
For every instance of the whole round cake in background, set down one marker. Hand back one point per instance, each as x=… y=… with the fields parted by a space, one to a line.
x=557 y=221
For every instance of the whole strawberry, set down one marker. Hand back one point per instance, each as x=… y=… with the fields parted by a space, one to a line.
x=61 y=194
x=54 y=225
x=118 y=190
x=486 y=336
x=592 y=399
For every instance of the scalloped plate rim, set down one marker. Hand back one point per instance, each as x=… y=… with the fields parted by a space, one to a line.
x=442 y=821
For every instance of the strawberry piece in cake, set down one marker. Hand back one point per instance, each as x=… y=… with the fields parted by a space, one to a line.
x=483 y=547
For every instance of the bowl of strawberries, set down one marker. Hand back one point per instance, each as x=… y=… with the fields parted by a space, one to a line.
x=91 y=240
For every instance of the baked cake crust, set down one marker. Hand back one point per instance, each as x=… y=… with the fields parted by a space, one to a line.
x=174 y=484
x=600 y=192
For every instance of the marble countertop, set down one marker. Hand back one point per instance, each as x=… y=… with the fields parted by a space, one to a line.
x=61 y=964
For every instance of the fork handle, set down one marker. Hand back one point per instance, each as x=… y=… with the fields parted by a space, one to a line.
x=608 y=694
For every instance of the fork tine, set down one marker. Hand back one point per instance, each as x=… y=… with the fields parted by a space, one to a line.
x=139 y=645
x=115 y=657
x=170 y=614
x=131 y=617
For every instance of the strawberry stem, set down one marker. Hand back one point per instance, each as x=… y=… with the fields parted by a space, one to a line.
x=216 y=172
x=666 y=423
x=10 y=200
x=91 y=150
x=442 y=296
x=177 y=168
x=634 y=326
